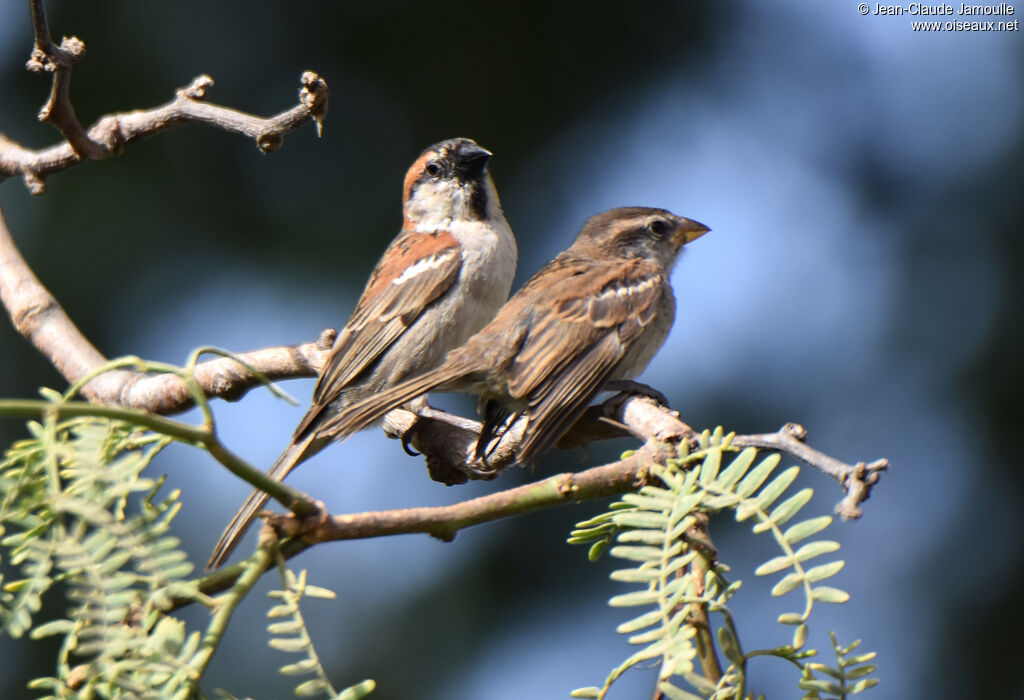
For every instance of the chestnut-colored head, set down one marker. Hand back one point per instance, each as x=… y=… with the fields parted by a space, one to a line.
x=449 y=182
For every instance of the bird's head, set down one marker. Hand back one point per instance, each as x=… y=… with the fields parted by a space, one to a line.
x=633 y=232
x=449 y=183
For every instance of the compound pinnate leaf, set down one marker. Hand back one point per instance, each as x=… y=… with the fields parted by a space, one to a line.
x=806 y=528
x=827 y=594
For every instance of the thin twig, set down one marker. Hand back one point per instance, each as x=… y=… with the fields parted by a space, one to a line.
x=111 y=133
x=249 y=573
x=39 y=25
x=50 y=58
x=204 y=436
x=857 y=479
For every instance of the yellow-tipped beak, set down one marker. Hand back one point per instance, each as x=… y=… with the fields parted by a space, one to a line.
x=688 y=231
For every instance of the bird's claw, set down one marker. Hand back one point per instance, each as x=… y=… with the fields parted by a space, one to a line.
x=417 y=406
x=406 y=440
x=628 y=386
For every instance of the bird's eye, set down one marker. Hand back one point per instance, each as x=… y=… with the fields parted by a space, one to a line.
x=433 y=169
x=658 y=227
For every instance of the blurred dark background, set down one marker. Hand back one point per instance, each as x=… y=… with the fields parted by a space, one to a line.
x=863 y=182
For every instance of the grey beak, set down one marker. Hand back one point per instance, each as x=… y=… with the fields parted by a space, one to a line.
x=471 y=161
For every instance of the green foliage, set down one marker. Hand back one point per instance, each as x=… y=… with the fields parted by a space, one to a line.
x=661 y=531
x=75 y=508
x=78 y=509
x=849 y=677
x=288 y=633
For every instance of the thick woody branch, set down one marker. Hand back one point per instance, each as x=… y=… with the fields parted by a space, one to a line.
x=448 y=444
x=37 y=316
x=223 y=378
x=111 y=133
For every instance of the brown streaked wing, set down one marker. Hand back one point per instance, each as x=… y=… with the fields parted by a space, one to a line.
x=561 y=402
x=620 y=298
x=420 y=268
x=589 y=335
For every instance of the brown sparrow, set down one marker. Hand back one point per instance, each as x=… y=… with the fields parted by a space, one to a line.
x=595 y=314
x=444 y=276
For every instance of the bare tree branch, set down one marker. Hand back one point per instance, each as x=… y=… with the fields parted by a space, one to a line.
x=448 y=445
x=111 y=133
x=449 y=442
x=33 y=310
x=444 y=522
x=642 y=416
x=222 y=378
x=857 y=479
x=41 y=319
x=58 y=60
x=37 y=315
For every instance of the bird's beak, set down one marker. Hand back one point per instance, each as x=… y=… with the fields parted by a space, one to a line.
x=471 y=161
x=687 y=232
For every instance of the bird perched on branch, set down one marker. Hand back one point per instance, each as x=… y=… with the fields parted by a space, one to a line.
x=595 y=314
x=443 y=277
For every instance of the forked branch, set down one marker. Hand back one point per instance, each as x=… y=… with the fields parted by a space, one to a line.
x=111 y=133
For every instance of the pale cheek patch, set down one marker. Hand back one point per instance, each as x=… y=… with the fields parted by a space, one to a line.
x=437 y=203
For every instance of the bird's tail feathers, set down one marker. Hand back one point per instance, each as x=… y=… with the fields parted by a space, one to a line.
x=363 y=414
x=236 y=529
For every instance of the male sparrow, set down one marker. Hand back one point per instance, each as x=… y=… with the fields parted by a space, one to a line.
x=443 y=277
x=595 y=314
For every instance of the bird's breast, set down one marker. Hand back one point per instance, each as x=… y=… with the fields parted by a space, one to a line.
x=488 y=267
x=646 y=346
